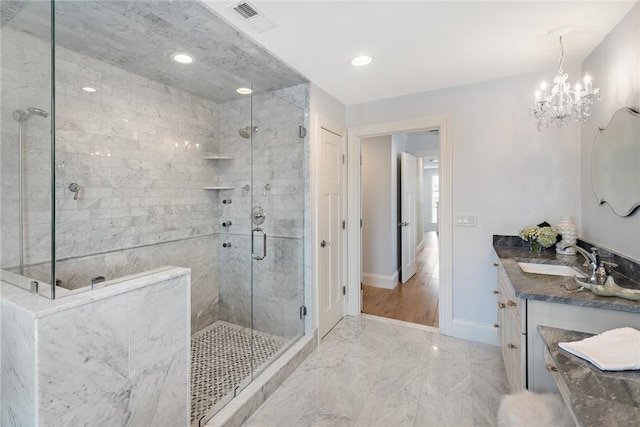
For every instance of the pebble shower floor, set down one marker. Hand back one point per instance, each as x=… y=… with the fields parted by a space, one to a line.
x=221 y=360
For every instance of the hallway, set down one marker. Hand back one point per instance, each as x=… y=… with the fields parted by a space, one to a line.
x=415 y=301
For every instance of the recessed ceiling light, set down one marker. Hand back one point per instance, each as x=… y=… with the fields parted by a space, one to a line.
x=361 y=60
x=244 y=90
x=89 y=89
x=183 y=58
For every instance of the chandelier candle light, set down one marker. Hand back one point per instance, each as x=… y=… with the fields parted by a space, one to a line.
x=563 y=105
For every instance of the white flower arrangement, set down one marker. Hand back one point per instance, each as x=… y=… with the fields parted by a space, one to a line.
x=545 y=236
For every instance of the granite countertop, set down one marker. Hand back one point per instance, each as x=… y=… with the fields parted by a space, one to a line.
x=558 y=289
x=597 y=398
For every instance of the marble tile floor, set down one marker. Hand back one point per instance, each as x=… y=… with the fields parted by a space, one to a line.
x=370 y=371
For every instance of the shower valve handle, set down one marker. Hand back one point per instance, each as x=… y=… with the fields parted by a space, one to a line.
x=74 y=188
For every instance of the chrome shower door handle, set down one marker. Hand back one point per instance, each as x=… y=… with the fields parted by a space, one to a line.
x=264 y=244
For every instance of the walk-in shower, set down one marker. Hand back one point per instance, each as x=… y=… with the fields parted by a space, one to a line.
x=143 y=171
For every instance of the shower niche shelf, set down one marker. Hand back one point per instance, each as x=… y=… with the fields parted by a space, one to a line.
x=218 y=158
x=218 y=188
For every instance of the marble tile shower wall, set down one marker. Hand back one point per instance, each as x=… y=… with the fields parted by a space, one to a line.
x=278 y=154
x=136 y=150
x=25 y=82
x=125 y=349
x=200 y=254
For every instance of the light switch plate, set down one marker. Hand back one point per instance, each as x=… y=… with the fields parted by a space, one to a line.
x=466 y=220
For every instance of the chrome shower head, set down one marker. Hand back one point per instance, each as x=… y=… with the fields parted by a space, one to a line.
x=246 y=132
x=22 y=116
x=38 y=112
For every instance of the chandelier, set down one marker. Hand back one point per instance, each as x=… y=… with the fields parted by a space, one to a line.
x=562 y=105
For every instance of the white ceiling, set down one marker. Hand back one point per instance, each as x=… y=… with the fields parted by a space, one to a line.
x=424 y=45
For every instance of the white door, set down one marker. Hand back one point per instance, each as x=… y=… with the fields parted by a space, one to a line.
x=331 y=240
x=408 y=215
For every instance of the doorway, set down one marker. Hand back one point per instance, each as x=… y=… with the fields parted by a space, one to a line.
x=444 y=241
x=415 y=301
x=399 y=178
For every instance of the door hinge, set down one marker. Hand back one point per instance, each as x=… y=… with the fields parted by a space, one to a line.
x=360 y=222
x=303 y=311
x=344 y=224
x=344 y=290
x=343 y=159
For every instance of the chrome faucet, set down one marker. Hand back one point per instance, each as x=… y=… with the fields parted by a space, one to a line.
x=600 y=270
x=592 y=260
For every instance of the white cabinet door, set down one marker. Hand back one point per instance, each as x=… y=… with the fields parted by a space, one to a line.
x=512 y=341
x=565 y=316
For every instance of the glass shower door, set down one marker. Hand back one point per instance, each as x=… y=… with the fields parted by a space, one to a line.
x=27 y=140
x=278 y=222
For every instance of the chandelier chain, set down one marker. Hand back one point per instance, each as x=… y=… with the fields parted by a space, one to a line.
x=561 y=54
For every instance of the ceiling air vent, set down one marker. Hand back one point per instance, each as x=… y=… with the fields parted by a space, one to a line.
x=245 y=10
x=253 y=16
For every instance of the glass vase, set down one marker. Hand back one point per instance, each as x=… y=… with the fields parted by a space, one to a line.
x=535 y=246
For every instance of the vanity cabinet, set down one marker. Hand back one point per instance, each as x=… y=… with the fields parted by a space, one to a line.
x=511 y=327
x=591 y=320
x=522 y=345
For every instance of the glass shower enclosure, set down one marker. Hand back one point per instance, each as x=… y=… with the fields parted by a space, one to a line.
x=118 y=159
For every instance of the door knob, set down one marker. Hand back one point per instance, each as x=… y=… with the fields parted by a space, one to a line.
x=323 y=243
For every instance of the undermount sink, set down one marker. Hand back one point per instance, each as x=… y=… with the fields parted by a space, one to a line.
x=551 y=269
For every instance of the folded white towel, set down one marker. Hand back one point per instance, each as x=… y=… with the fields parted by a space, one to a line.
x=614 y=350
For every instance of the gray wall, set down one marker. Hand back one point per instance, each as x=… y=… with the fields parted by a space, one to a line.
x=378 y=209
x=615 y=67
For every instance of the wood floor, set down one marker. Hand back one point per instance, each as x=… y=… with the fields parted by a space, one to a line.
x=415 y=301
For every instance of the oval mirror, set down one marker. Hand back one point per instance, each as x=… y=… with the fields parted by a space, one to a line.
x=615 y=162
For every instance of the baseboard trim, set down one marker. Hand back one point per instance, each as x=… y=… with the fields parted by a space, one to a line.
x=380 y=281
x=474 y=332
